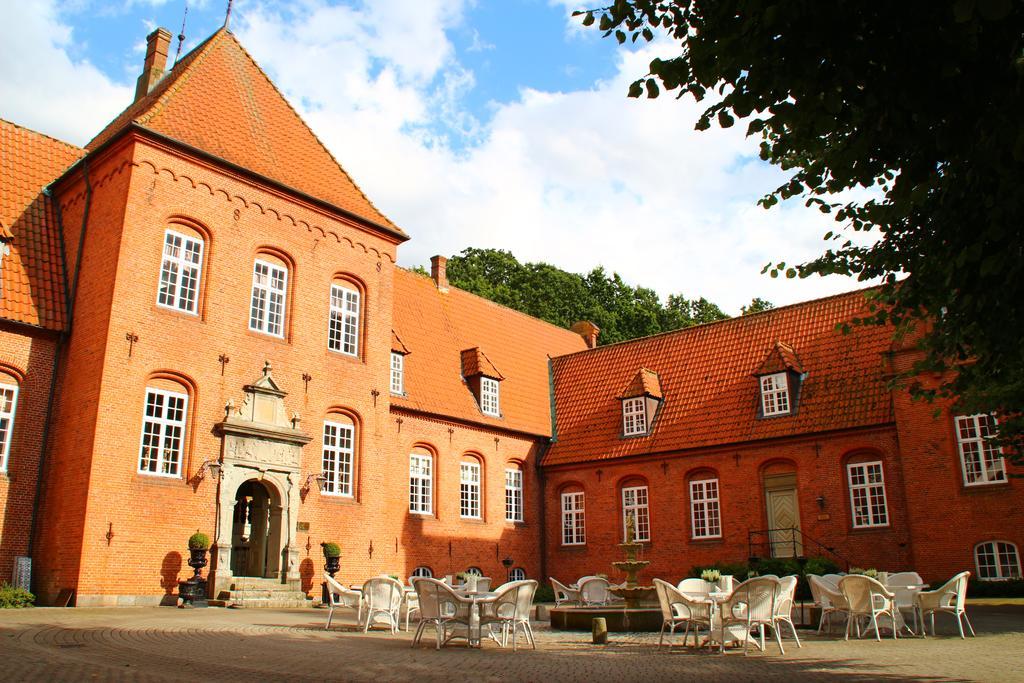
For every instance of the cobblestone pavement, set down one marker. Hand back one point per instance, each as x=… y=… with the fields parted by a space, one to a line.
x=162 y=644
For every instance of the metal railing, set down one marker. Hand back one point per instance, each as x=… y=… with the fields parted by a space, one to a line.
x=789 y=542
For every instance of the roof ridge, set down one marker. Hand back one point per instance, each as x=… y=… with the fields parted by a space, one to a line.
x=741 y=317
x=190 y=62
x=41 y=134
x=308 y=127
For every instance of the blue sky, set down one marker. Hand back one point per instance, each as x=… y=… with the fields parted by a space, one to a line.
x=494 y=123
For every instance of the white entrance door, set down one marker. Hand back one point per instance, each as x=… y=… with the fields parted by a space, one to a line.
x=783 y=516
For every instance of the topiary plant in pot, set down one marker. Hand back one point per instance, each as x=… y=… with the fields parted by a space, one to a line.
x=193 y=591
x=332 y=557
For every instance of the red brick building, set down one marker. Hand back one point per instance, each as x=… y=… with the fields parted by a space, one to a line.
x=203 y=327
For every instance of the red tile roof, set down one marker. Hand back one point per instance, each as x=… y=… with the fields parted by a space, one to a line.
x=476 y=362
x=782 y=357
x=710 y=396
x=217 y=99
x=437 y=327
x=397 y=346
x=32 y=280
x=645 y=383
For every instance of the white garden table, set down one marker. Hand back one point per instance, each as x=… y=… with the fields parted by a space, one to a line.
x=476 y=598
x=718 y=635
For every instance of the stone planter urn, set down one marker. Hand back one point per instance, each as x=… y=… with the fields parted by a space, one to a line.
x=193 y=591
x=332 y=563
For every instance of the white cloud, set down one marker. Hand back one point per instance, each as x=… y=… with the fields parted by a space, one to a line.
x=41 y=87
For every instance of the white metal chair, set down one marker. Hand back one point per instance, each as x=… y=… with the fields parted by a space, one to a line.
x=833 y=579
x=784 y=605
x=898 y=583
x=340 y=596
x=678 y=609
x=564 y=594
x=827 y=597
x=440 y=607
x=594 y=591
x=752 y=604
x=949 y=598
x=511 y=611
x=383 y=597
x=868 y=599
x=411 y=601
x=694 y=586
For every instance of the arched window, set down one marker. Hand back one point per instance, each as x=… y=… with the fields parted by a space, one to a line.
x=181 y=269
x=339 y=455
x=8 y=406
x=164 y=414
x=997 y=561
x=513 y=493
x=474 y=571
x=421 y=481
x=517 y=574
x=635 y=507
x=343 y=323
x=268 y=307
x=470 y=490
x=705 y=507
x=574 y=529
x=422 y=572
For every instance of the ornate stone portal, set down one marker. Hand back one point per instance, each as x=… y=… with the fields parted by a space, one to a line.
x=260 y=443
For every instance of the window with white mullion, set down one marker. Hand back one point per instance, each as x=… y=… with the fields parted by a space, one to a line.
x=981 y=460
x=8 y=404
x=337 y=458
x=421 y=484
x=489 y=397
x=269 y=292
x=397 y=373
x=997 y=561
x=705 y=512
x=180 y=271
x=634 y=416
x=634 y=504
x=513 y=495
x=774 y=394
x=343 y=327
x=867 y=495
x=469 y=490
x=163 y=433
x=574 y=530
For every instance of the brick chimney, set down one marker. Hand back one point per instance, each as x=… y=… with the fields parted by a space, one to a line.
x=439 y=272
x=588 y=331
x=157 y=44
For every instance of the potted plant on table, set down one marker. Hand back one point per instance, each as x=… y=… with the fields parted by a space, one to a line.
x=193 y=591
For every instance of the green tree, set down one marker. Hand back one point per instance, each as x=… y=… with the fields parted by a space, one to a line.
x=756 y=305
x=918 y=102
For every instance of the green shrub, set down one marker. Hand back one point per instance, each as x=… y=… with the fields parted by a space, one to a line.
x=544 y=593
x=780 y=566
x=14 y=598
x=993 y=589
x=331 y=549
x=198 y=541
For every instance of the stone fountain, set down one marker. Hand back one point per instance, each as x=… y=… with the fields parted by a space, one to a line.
x=632 y=593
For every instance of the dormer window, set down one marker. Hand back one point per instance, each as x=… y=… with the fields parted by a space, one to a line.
x=641 y=400
x=774 y=394
x=634 y=417
x=398 y=353
x=489 y=397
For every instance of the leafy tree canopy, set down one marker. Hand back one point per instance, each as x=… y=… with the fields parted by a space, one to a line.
x=919 y=102
x=562 y=298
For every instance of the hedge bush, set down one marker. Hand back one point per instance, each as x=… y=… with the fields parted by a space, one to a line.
x=545 y=593
x=994 y=589
x=14 y=598
x=780 y=566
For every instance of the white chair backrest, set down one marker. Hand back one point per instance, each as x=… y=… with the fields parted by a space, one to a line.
x=819 y=596
x=864 y=593
x=675 y=603
x=726 y=583
x=594 y=589
x=436 y=598
x=833 y=579
x=579 y=581
x=904 y=579
x=514 y=599
x=560 y=588
x=664 y=601
x=787 y=593
x=757 y=595
x=955 y=591
x=483 y=583
x=695 y=586
x=383 y=592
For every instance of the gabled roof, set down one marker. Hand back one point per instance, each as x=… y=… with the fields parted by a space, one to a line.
x=780 y=358
x=218 y=100
x=32 y=281
x=712 y=399
x=644 y=383
x=475 y=362
x=439 y=326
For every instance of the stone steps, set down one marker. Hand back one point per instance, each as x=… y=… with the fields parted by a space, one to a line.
x=254 y=592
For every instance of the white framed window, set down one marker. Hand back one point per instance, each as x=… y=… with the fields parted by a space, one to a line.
x=774 y=394
x=981 y=460
x=163 y=432
x=469 y=490
x=180 y=271
x=269 y=293
x=474 y=571
x=867 y=494
x=337 y=458
x=8 y=405
x=705 y=511
x=634 y=503
x=397 y=373
x=489 y=402
x=343 y=326
x=422 y=572
x=634 y=416
x=513 y=495
x=997 y=561
x=517 y=574
x=574 y=529
x=421 y=484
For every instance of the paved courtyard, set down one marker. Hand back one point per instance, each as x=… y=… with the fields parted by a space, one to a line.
x=161 y=644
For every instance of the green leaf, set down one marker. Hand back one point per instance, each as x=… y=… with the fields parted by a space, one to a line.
x=635 y=89
x=588 y=20
x=724 y=120
x=652 y=88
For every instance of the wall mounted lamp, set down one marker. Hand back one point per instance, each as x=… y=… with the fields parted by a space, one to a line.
x=820 y=500
x=213 y=466
x=319 y=477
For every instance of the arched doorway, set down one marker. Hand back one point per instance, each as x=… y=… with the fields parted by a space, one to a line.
x=783 y=508
x=256 y=531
